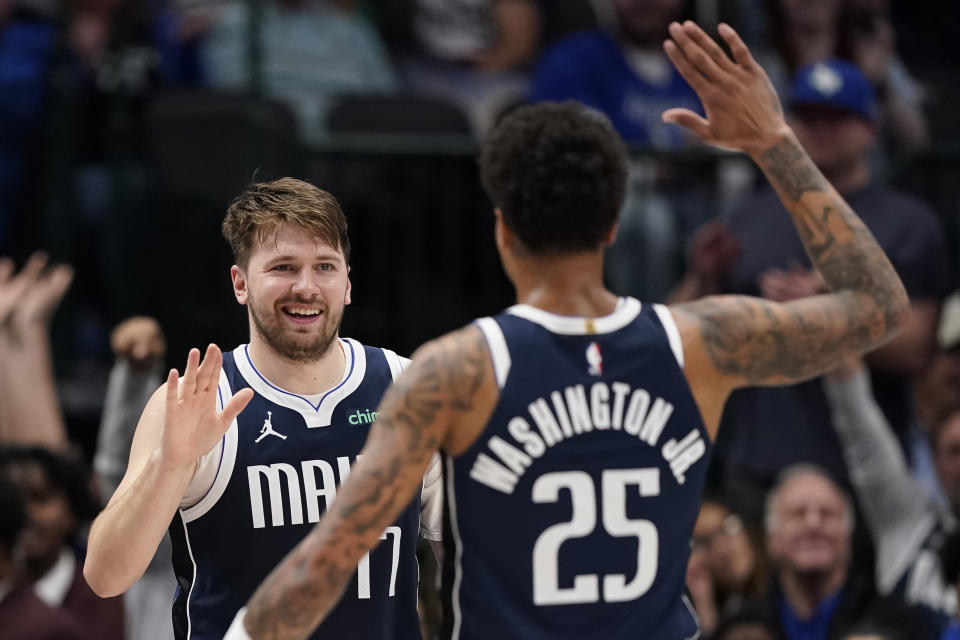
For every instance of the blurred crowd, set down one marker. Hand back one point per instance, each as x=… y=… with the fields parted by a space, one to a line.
x=831 y=509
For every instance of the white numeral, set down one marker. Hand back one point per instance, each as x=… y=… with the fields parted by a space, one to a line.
x=363 y=567
x=546 y=550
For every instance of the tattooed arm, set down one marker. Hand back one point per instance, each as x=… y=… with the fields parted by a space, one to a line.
x=733 y=341
x=442 y=400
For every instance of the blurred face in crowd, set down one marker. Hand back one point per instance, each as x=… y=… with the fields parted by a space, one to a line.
x=809 y=528
x=295 y=287
x=727 y=548
x=50 y=520
x=811 y=14
x=946 y=456
x=837 y=140
x=645 y=22
x=940 y=383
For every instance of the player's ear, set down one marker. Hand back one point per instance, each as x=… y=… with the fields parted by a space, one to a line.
x=501 y=233
x=611 y=236
x=239 y=279
x=346 y=295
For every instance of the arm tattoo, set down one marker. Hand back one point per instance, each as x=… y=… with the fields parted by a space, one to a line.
x=764 y=342
x=791 y=170
x=441 y=385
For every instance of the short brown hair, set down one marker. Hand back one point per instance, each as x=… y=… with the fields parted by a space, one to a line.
x=263 y=206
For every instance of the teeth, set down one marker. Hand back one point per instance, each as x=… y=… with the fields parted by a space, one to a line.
x=302 y=311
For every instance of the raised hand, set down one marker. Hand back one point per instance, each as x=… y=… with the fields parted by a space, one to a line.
x=192 y=425
x=13 y=288
x=138 y=340
x=742 y=109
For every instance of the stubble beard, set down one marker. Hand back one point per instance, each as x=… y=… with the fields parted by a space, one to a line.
x=286 y=345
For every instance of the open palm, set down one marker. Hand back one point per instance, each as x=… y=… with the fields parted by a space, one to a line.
x=192 y=424
x=742 y=108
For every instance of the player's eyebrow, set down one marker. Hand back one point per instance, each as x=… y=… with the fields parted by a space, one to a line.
x=320 y=257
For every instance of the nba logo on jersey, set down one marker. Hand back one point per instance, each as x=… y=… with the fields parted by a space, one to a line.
x=594 y=359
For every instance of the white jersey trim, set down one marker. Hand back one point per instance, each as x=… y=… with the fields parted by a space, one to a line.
x=193 y=581
x=626 y=312
x=215 y=468
x=394 y=362
x=673 y=334
x=498 y=348
x=696 y=618
x=314 y=416
x=458 y=553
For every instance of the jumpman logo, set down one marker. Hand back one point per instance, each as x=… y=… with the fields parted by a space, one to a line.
x=267 y=430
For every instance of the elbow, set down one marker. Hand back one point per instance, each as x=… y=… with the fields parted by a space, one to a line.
x=100 y=580
x=898 y=312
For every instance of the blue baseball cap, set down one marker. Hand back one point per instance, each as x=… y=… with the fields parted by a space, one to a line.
x=834 y=83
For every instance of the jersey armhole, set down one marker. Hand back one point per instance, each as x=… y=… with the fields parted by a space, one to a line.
x=673 y=334
x=497 y=344
x=215 y=468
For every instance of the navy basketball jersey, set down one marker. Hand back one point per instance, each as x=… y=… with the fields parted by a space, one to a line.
x=278 y=471
x=571 y=515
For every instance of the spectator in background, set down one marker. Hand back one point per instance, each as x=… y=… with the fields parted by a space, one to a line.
x=746 y=625
x=809 y=524
x=832 y=110
x=626 y=74
x=312 y=50
x=727 y=566
x=24 y=616
x=56 y=492
x=475 y=53
x=907 y=526
x=29 y=407
x=803 y=32
x=139 y=347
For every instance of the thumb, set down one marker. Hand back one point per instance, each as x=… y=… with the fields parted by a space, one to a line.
x=236 y=404
x=688 y=119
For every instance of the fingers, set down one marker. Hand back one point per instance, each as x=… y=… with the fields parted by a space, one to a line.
x=189 y=384
x=684 y=67
x=6 y=269
x=237 y=403
x=716 y=55
x=173 y=380
x=209 y=374
x=737 y=47
x=690 y=120
x=693 y=51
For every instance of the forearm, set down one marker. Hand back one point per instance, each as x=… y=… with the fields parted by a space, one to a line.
x=840 y=246
x=128 y=392
x=125 y=536
x=877 y=466
x=29 y=406
x=300 y=592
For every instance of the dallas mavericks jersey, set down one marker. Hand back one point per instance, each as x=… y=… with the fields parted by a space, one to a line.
x=280 y=465
x=571 y=515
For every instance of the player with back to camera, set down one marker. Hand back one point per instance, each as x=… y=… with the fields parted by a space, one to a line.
x=247 y=450
x=576 y=426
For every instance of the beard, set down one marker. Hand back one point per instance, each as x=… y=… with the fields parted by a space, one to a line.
x=287 y=344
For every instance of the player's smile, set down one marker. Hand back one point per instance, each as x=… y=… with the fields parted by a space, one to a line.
x=302 y=314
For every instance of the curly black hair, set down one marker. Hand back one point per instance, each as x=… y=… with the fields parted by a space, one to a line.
x=66 y=472
x=558 y=173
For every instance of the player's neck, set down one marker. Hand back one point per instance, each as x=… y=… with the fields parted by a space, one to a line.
x=303 y=378
x=570 y=285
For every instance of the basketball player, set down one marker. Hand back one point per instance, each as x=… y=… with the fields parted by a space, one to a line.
x=576 y=426
x=243 y=458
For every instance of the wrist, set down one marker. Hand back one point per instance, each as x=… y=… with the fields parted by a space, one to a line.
x=776 y=138
x=171 y=466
